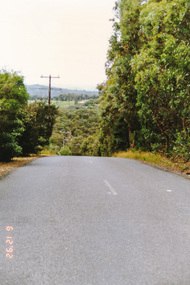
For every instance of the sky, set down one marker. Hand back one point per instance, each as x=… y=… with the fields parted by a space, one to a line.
x=69 y=38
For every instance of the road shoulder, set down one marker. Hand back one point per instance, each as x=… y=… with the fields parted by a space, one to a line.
x=7 y=167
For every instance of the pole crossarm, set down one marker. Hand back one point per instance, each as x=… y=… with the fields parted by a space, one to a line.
x=50 y=76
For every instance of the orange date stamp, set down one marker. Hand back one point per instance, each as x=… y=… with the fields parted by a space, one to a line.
x=9 y=242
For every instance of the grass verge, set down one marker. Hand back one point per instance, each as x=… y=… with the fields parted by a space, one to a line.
x=47 y=152
x=157 y=160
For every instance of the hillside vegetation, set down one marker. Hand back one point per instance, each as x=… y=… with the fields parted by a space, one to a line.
x=76 y=129
x=145 y=101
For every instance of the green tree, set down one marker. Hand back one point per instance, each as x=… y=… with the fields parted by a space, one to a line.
x=118 y=94
x=90 y=146
x=13 y=99
x=147 y=92
x=38 y=119
x=163 y=72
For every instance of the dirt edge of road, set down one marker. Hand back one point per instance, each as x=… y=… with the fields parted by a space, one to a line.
x=168 y=169
x=7 y=167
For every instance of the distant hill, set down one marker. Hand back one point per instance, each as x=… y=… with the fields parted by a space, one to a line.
x=42 y=90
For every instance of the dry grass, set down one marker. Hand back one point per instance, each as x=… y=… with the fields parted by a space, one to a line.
x=157 y=160
x=47 y=152
x=7 y=167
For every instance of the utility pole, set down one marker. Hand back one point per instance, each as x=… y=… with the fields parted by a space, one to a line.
x=64 y=136
x=49 y=93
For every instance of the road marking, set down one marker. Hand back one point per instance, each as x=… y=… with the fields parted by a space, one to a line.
x=168 y=190
x=110 y=187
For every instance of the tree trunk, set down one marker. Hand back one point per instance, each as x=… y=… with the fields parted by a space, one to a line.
x=131 y=139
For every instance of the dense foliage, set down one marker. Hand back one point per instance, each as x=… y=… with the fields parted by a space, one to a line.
x=13 y=98
x=38 y=121
x=23 y=128
x=76 y=127
x=147 y=91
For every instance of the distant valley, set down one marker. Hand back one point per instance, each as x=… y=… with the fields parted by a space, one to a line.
x=42 y=91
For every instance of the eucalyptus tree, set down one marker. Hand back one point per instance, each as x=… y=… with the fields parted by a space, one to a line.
x=162 y=70
x=119 y=96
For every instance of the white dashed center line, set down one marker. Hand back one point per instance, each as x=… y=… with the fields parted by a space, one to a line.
x=113 y=192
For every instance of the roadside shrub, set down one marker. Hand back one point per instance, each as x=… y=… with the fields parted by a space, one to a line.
x=65 y=151
x=182 y=145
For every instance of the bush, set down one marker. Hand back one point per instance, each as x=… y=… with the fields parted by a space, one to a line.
x=8 y=147
x=182 y=145
x=65 y=151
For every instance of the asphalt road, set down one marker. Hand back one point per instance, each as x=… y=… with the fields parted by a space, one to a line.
x=94 y=221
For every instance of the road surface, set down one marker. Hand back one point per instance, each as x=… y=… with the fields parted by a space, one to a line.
x=94 y=221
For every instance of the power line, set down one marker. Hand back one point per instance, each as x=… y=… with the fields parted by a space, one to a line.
x=49 y=93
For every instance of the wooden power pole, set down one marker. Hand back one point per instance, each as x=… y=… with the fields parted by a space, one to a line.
x=49 y=93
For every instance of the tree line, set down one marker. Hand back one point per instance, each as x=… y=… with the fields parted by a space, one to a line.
x=24 y=128
x=145 y=101
x=65 y=97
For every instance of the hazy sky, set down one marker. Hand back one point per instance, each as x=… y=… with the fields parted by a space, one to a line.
x=68 y=38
